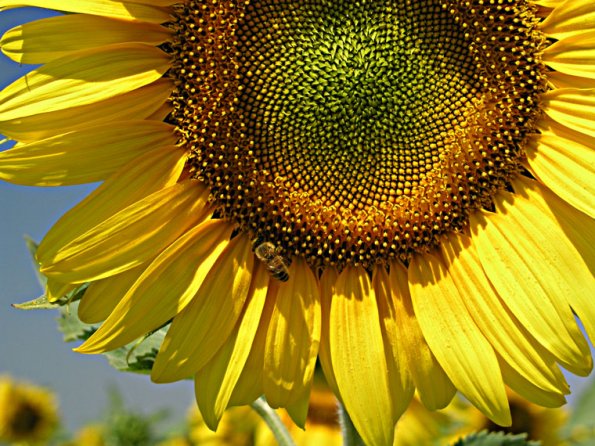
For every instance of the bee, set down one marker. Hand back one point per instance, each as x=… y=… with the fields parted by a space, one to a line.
x=274 y=262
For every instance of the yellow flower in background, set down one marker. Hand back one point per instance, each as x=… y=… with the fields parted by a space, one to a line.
x=322 y=422
x=28 y=413
x=176 y=441
x=420 y=426
x=401 y=189
x=539 y=423
x=90 y=435
x=239 y=426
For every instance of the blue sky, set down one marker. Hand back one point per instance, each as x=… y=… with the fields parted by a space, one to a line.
x=31 y=347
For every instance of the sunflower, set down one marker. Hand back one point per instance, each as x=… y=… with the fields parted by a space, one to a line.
x=89 y=435
x=401 y=189
x=419 y=426
x=239 y=426
x=322 y=423
x=28 y=414
x=539 y=423
x=175 y=441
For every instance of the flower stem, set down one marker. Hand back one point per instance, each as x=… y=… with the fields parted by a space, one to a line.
x=350 y=435
x=273 y=421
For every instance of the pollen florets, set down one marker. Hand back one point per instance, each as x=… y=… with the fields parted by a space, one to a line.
x=352 y=132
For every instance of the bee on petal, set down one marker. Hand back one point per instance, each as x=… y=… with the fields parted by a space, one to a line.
x=274 y=262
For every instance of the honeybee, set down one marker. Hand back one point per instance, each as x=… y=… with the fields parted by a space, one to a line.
x=274 y=262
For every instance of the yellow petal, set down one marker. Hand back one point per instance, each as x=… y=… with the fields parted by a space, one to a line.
x=562 y=80
x=101 y=297
x=401 y=382
x=199 y=331
x=128 y=238
x=571 y=17
x=293 y=338
x=108 y=8
x=508 y=337
x=358 y=357
x=461 y=349
x=434 y=388
x=528 y=390
x=579 y=228
x=156 y=170
x=519 y=251
x=574 y=55
x=141 y=103
x=572 y=108
x=250 y=383
x=82 y=78
x=327 y=283
x=298 y=410
x=86 y=156
x=560 y=257
x=548 y=3
x=164 y=289
x=217 y=379
x=155 y=2
x=421 y=427
x=207 y=385
x=569 y=246
x=47 y=39
x=54 y=289
x=565 y=161
x=161 y=113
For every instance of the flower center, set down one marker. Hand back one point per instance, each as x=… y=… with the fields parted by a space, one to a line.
x=26 y=420
x=353 y=132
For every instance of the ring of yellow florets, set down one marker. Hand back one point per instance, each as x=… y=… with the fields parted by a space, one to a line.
x=352 y=132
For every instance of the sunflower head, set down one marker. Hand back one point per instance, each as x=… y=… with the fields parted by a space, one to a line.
x=407 y=184
x=27 y=413
x=352 y=133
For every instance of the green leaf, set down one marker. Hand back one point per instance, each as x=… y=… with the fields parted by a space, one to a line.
x=40 y=303
x=71 y=326
x=32 y=247
x=74 y=295
x=126 y=427
x=485 y=438
x=136 y=357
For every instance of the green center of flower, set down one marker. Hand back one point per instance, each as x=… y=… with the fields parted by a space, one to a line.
x=352 y=132
x=343 y=96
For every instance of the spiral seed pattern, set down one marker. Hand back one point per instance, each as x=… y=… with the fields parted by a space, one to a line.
x=355 y=131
